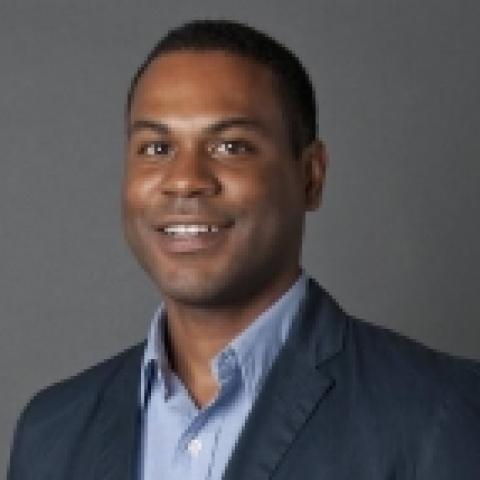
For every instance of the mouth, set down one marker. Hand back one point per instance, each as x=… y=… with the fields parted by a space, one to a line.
x=189 y=230
x=192 y=237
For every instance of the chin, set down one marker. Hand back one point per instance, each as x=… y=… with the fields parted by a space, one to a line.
x=198 y=294
x=204 y=289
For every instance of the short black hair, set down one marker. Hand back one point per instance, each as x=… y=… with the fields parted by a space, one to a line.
x=295 y=87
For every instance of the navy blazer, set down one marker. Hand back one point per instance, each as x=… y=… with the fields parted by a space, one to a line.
x=344 y=400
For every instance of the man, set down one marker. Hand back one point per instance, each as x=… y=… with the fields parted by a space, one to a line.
x=250 y=370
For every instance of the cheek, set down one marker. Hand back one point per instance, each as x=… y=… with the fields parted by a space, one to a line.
x=268 y=212
x=138 y=192
x=267 y=191
x=135 y=201
x=251 y=189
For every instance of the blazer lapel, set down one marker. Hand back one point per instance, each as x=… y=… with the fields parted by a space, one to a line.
x=294 y=387
x=118 y=424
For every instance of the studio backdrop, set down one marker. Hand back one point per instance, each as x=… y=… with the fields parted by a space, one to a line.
x=396 y=241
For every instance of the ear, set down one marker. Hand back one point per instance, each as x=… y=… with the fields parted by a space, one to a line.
x=314 y=163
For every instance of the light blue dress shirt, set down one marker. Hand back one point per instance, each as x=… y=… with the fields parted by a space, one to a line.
x=183 y=442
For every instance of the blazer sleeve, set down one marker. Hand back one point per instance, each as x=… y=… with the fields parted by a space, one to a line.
x=451 y=448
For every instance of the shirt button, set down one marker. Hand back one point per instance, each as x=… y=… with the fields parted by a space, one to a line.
x=194 y=447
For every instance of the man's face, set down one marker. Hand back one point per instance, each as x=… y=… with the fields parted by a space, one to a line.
x=213 y=199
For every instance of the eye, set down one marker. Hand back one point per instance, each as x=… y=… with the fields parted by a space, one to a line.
x=155 y=149
x=232 y=147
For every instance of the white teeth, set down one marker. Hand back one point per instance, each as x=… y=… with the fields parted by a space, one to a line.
x=190 y=229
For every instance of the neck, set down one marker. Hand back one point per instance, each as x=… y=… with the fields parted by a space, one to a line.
x=195 y=335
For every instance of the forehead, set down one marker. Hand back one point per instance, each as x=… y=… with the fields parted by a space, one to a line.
x=210 y=82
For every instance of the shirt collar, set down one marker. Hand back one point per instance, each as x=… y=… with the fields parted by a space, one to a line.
x=155 y=361
x=259 y=344
x=253 y=350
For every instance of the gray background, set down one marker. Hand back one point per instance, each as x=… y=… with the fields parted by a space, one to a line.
x=396 y=242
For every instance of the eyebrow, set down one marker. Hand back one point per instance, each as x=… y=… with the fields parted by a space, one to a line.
x=216 y=127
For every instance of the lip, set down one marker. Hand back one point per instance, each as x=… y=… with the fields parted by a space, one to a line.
x=168 y=222
x=197 y=243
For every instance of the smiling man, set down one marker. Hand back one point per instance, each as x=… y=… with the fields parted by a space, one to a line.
x=214 y=199
x=250 y=370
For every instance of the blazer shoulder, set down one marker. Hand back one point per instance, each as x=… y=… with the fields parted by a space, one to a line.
x=85 y=386
x=377 y=354
x=403 y=362
x=55 y=424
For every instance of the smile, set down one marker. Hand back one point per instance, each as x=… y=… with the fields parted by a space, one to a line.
x=189 y=230
x=206 y=236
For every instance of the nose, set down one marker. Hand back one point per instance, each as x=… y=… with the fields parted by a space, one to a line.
x=189 y=175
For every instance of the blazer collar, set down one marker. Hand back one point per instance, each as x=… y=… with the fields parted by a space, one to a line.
x=297 y=382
